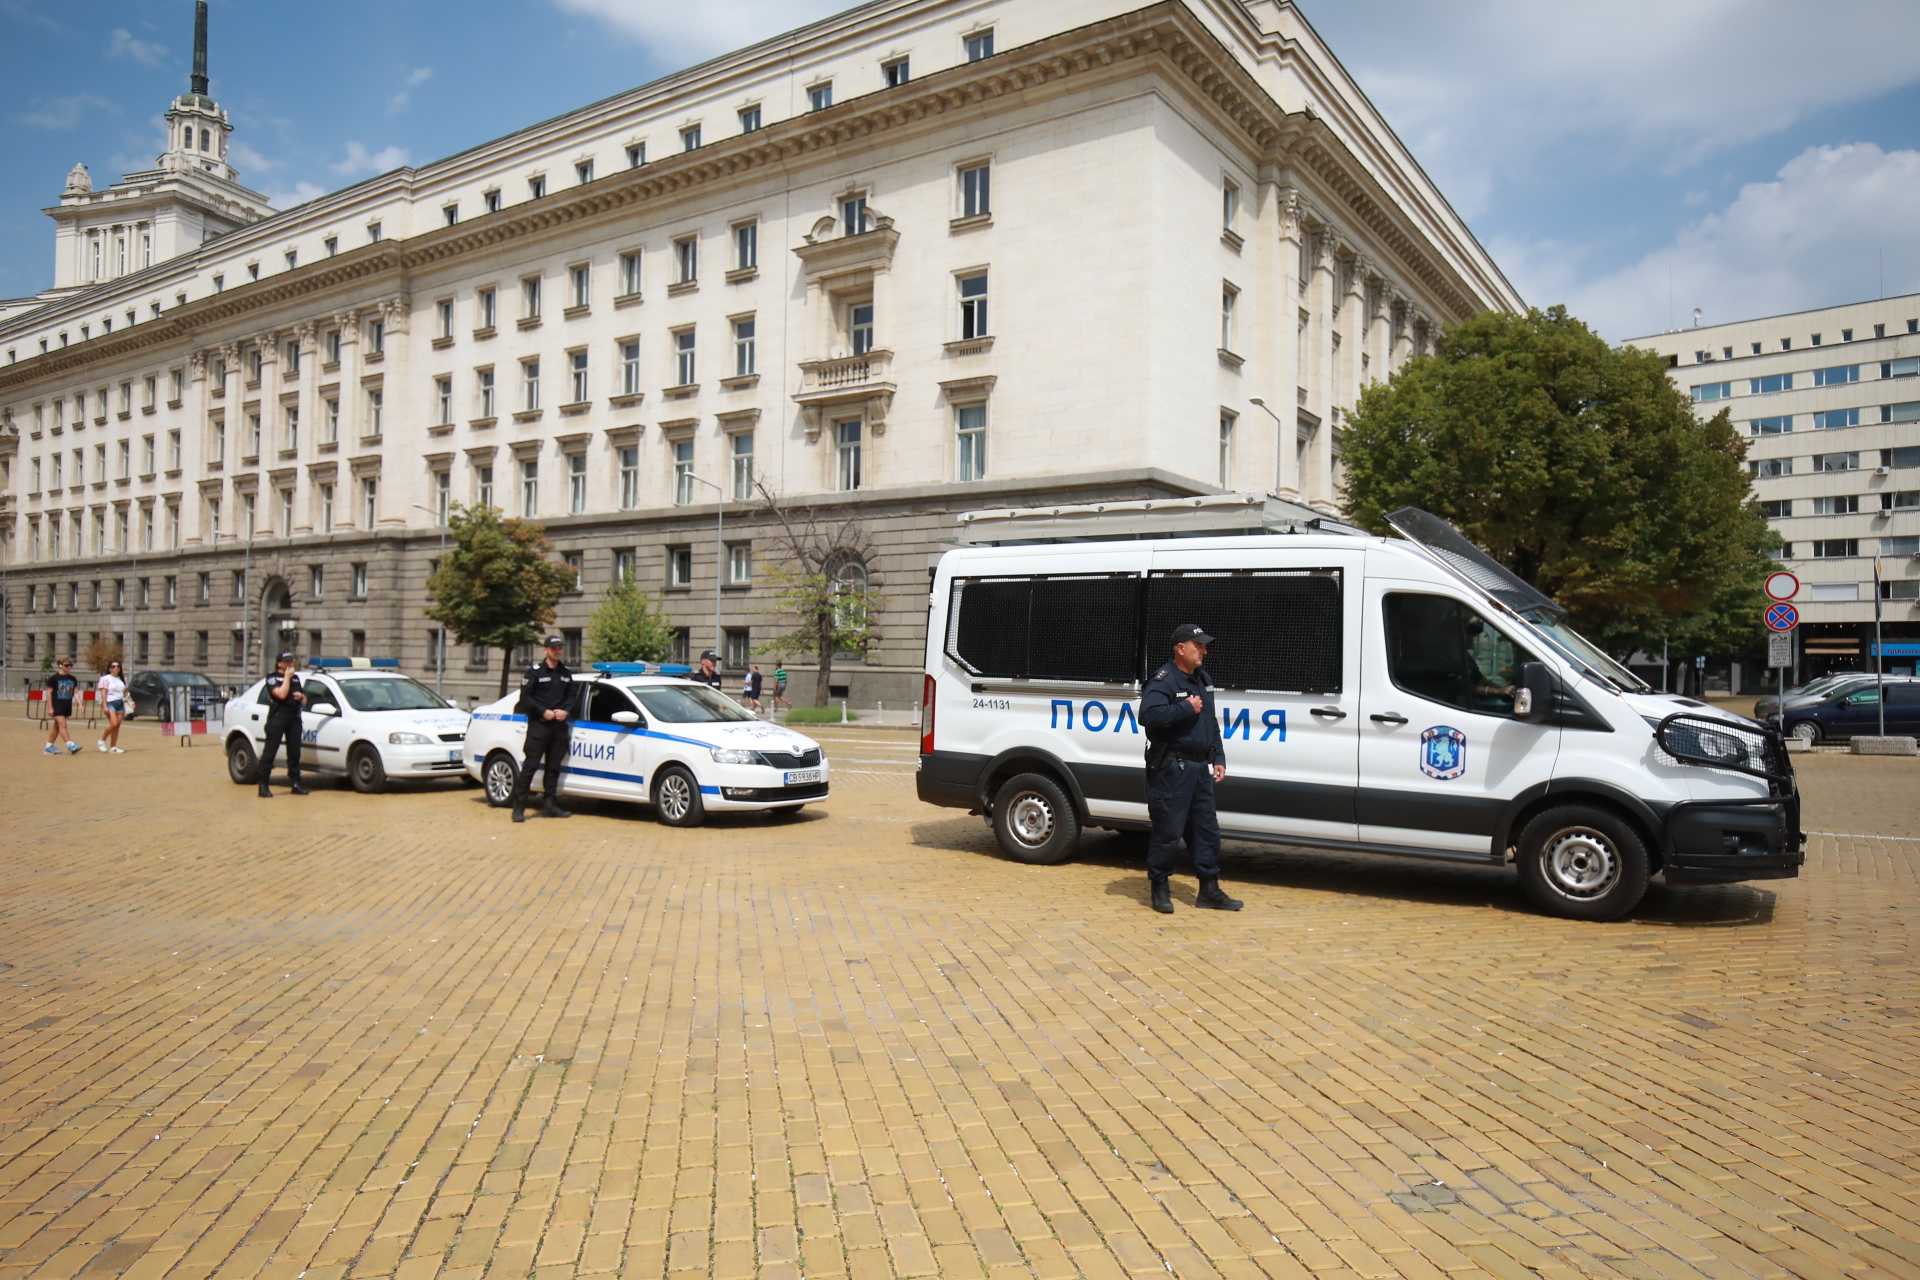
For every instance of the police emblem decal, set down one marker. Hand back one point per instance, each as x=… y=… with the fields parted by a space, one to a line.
x=1443 y=752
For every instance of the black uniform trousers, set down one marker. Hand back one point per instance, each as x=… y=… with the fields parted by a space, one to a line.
x=546 y=741
x=1180 y=804
x=281 y=729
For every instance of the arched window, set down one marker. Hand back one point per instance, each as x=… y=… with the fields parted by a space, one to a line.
x=206 y=140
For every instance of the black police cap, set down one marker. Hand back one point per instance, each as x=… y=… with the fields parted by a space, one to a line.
x=554 y=642
x=1190 y=631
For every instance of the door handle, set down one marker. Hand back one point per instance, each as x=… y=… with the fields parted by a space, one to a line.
x=1328 y=713
x=1391 y=717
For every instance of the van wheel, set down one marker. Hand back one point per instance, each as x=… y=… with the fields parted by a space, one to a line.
x=1583 y=863
x=500 y=775
x=676 y=797
x=1034 y=821
x=242 y=765
x=1807 y=731
x=366 y=770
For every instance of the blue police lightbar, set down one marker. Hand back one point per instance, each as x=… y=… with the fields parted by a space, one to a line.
x=641 y=669
x=323 y=664
x=675 y=669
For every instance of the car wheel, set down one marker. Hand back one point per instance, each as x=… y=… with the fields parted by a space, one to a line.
x=243 y=766
x=501 y=775
x=1583 y=863
x=366 y=770
x=1034 y=821
x=676 y=797
x=1807 y=731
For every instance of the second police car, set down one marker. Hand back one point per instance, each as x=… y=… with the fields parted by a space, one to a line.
x=643 y=733
x=363 y=718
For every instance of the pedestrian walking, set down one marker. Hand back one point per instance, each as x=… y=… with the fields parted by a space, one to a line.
x=546 y=695
x=112 y=692
x=780 y=688
x=285 y=698
x=750 y=692
x=62 y=689
x=709 y=671
x=1185 y=758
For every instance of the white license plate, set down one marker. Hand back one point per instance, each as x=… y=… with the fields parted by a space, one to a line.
x=453 y=755
x=797 y=777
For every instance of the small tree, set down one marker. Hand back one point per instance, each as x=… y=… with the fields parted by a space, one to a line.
x=629 y=626
x=102 y=651
x=820 y=585
x=497 y=587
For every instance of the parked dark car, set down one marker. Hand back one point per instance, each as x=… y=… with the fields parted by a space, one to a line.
x=1854 y=712
x=149 y=691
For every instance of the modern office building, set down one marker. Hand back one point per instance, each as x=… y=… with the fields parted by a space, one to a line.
x=921 y=257
x=1829 y=401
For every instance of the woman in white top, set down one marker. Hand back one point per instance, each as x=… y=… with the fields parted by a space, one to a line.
x=112 y=692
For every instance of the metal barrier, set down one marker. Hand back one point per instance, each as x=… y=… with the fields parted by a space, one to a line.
x=192 y=712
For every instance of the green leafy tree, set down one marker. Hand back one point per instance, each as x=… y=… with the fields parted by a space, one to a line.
x=1581 y=468
x=498 y=585
x=629 y=626
x=820 y=588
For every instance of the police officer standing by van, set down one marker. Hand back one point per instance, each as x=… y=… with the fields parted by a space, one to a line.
x=284 y=700
x=546 y=695
x=1185 y=757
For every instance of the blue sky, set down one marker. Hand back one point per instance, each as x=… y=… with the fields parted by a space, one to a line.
x=1633 y=160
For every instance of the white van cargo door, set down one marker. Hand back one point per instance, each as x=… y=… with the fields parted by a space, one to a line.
x=1286 y=671
x=1440 y=751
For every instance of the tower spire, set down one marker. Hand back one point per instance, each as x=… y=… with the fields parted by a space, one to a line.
x=199 y=82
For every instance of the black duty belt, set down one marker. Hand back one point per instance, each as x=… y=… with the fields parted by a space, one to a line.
x=1198 y=757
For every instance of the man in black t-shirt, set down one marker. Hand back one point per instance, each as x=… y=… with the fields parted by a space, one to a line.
x=62 y=689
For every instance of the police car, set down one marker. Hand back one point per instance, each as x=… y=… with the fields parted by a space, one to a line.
x=642 y=732
x=363 y=718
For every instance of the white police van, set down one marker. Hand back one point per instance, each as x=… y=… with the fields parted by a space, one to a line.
x=363 y=718
x=643 y=732
x=1382 y=695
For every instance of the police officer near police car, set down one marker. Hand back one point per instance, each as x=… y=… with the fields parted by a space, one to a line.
x=546 y=695
x=1185 y=758
x=284 y=701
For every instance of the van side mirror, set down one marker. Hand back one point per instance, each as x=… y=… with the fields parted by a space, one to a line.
x=626 y=717
x=1533 y=699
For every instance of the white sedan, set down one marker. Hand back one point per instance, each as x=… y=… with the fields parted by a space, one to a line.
x=682 y=747
x=370 y=723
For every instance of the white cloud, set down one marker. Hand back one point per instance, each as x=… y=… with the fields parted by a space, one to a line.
x=247 y=160
x=64 y=113
x=694 y=31
x=417 y=77
x=300 y=193
x=1816 y=235
x=125 y=46
x=360 y=162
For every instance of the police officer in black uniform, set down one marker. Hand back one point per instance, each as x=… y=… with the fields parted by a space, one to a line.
x=284 y=700
x=708 y=672
x=1185 y=757
x=546 y=696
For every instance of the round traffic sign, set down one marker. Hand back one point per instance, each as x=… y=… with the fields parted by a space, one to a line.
x=1782 y=585
x=1782 y=617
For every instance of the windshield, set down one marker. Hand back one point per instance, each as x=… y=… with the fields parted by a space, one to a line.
x=687 y=704
x=387 y=694
x=1583 y=652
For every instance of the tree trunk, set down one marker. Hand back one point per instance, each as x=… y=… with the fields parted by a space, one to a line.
x=506 y=669
x=823 y=681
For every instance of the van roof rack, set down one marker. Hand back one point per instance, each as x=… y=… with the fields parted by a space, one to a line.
x=1216 y=515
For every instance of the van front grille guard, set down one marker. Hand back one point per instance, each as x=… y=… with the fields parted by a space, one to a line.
x=1758 y=752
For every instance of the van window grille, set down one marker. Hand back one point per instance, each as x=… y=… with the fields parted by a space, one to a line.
x=1048 y=628
x=1277 y=632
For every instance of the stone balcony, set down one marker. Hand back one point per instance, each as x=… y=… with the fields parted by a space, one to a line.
x=844 y=382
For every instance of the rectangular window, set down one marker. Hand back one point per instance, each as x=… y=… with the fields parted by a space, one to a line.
x=1771 y=426
x=581 y=278
x=626 y=565
x=176 y=383
x=286 y=513
x=980 y=45
x=1836 y=462
x=488 y=301
x=253 y=435
x=483 y=380
x=576 y=561
x=846 y=443
x=442 y=496
x=679 y=566
x=636 y=155
x=483 y=486
x=1836 y=376
x=1780 y=510
x=1900 y=500
x=376 y=339
x=976 y=190
x=630 y=367
x=332 y=245
x=369 y=502
x=1831 y=418
x=1770 y=384
x=443 y=318
x=970 y=437
x=173 y=451
x=1907 y=367
x=356 y=644
x=740 y=460
x=1769 y=468
x=682 y=472
x=357 y=587
x=820 y=96
x=316 y=582
x=202 y=647
x=896 y=72
x=443 y=401
x=1712 y=391
x=530 y=298
x=630 y=274
x=1227 y=421
x=577 y=372
x=376 y=410
x=746 y=246
x=577 y=483
x=683 y=353
x=853 y=216
x=973 y=306
x=1904 y=546
x=743 y=348
x=292 y=426
x=740 y=562
x=537 y=187
x=1839 y=505
x=749 y=119
x=1908 y=412
x=373 y=233
x=860 y=327
x=1229 y=204
x=583 y=172
x=1835 y=548
x=326 y=507
x=491 y=199
x=451 y=213
x=1229 y=298
x=629 y=478
x=529 y=488
x=690 y=138
x=530 y=385
x=686 y=259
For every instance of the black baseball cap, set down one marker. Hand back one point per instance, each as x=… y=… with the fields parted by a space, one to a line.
x=1190 y=631
x=709 y=654
x=553 y=642
x=286 y=657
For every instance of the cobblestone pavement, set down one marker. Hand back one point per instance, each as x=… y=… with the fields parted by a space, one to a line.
x=398 y=1036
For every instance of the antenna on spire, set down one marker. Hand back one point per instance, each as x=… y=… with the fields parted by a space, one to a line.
x=199 y=83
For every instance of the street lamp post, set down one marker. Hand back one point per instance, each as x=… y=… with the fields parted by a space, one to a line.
x=440 y=646
x=719 y=563
x=1280 y=445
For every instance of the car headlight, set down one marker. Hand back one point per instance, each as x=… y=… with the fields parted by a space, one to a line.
x=1722 y=748
x=400 y=739
x=733 y=755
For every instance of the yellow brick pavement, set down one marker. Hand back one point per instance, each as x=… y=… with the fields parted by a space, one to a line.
x=351 y=1036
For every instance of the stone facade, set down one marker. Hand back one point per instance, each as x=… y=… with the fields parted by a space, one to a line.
x=1014 y=253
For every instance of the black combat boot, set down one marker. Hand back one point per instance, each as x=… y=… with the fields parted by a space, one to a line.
x=519 y=811
x=264 y=793
x=1212 y=898
x=296 y=788
x=1162 y=895
x=552 y=809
